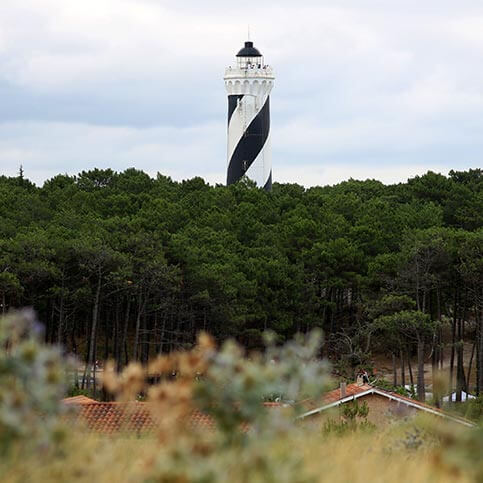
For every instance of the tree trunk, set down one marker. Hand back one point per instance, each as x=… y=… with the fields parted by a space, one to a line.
x=145 y=339
x=403 y=369
x=421 y=387
x=460 y=370
x=141 y=305
x=470 y=365
x=460 y=373
x=479 y=351
x=123 y=345
x=411 y=378
x=107 y=335
x=74 y=350
x=116 y=332
x=439 y=338
x=155 y=334
x=394 y=370
x=418 y=305
x=479 y=378
x=161 y=338
x=60 y=331
x=92 y=339
x=60 y=334
x=453 y=342
x=441 y=345
x=434 y=357
x=126 y=353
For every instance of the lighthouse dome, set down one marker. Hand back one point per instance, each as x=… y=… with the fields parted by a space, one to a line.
x=249 y=51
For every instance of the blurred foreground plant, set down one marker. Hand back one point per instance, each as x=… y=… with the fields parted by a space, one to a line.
x=461 y=450
x=231 y=387
x=251 y=443
x=235 y=386
x=31 y=383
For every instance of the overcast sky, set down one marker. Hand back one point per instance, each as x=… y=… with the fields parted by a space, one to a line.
x=382 y=89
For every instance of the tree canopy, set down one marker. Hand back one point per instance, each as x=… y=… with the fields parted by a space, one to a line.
x=123 y=265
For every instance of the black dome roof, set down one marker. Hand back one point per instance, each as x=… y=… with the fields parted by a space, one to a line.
x=249 y=51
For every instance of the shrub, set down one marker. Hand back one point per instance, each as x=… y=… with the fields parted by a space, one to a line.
x=32 y=383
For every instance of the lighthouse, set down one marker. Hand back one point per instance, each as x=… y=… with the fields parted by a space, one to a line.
x=248 y=85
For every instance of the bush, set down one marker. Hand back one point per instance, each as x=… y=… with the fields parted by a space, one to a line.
x=32 y=383
x=353 y=418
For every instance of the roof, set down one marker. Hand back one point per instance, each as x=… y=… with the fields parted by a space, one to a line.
x=333 y=396
x=353 y=392
x=249 y=51
x=78 y=400
x=111 y=417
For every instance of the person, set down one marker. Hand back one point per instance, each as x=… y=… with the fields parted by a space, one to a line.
x=360 y=377
x=365 y=377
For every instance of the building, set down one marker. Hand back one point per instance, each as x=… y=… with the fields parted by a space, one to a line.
x=131 y=417
x=384 y=406
x=248 y=85
x=140 y=417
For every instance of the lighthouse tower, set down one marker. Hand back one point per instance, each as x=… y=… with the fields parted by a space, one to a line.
x=248 y=86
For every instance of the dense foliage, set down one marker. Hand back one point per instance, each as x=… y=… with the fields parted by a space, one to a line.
x=123 y=266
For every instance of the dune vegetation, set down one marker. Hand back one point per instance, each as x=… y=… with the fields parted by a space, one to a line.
x=40 y=442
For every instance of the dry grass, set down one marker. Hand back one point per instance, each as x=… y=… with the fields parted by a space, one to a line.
x=352 y=458
x=90 y=458
x=359 y=458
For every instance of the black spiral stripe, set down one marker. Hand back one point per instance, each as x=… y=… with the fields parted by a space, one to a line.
x=268 y=184
x=232 y=104
x=250 y=144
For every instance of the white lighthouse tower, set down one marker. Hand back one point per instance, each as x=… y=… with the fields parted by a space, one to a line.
x=248 y=86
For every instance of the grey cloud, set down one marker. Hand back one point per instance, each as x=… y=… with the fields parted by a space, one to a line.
x=359 y=84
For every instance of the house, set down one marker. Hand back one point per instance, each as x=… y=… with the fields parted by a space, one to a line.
x=132 y=417
x=383 y=405
x=137 y=417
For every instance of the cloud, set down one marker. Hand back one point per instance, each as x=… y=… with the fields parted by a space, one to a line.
x=46 y=149
x=332 y=173
x=376 y=87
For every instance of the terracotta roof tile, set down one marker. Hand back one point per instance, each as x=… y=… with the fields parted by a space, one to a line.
x=78 y=400
x=111 y=417
x=272 y=405
x=353 y=389
x=333 y=396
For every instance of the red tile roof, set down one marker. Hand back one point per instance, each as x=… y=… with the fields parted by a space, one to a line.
x=334 y=397
x=272 y=405
x=351 y=390
x=111 y=417
x=78 y=400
